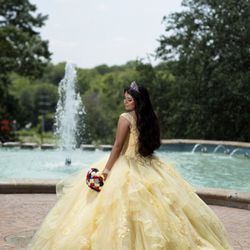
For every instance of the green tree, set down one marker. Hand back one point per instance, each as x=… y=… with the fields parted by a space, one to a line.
x=22 y=50
x=208 y=44
x=30 y=96
x=54 y=73
x=159 y=82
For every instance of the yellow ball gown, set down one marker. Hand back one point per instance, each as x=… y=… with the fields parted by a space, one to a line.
x=144 y=205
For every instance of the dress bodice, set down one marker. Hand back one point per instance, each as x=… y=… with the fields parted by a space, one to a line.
x=130 y=147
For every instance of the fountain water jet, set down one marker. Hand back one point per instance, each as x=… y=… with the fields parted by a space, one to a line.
x=218 y=147
x=195 y=147
x=69 y=111
x=235 y=151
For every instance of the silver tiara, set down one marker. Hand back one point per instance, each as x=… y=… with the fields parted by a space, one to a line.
x=134 y=86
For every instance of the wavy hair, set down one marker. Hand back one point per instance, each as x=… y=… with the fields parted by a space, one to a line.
x=147 y=122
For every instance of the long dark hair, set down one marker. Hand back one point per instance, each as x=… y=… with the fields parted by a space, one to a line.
x=147 y=122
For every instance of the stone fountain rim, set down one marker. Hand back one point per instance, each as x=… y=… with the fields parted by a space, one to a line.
x=164 y=141
x=210 y=142
x=212 y=196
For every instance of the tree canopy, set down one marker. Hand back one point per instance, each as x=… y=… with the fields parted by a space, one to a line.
x=209 y=48
x=22 y=49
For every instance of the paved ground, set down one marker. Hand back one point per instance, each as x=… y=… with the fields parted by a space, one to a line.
x=21 y=214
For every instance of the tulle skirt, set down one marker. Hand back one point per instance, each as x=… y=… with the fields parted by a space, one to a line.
x=144 y=205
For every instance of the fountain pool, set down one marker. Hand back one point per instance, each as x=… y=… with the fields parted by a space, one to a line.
x=200 y=169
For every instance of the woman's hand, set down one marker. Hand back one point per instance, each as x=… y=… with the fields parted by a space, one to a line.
x=104 y=176
x=105 y=173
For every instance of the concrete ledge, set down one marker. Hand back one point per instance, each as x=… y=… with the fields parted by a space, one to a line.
x=11 y=144
x=211 y=196
x=48 y=146
x=21 y=186
x=105 y=147
x=89 y=147
x=190 y=141
x=164 y=141
x=225 y=197
x=29 y=145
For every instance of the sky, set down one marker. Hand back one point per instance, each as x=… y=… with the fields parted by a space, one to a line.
x=113 y=32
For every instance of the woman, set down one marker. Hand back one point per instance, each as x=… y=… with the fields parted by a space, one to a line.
x=144 y=203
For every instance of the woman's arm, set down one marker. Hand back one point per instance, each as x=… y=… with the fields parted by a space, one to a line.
x=121 y=134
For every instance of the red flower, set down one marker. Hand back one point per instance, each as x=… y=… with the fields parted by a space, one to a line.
x=94 y=180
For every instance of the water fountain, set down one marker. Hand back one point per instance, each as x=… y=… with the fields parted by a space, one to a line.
x=235 y=151
x=203 y=148
x=218 y=147
x=221 y=171
x=195 y=147
x=69 y=113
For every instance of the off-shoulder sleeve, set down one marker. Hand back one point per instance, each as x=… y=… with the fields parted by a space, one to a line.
x=127 y=116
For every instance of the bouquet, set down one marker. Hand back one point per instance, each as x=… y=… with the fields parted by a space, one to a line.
x=94 y=180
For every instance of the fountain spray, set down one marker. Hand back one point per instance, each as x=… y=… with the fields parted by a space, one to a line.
x=69 y=109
